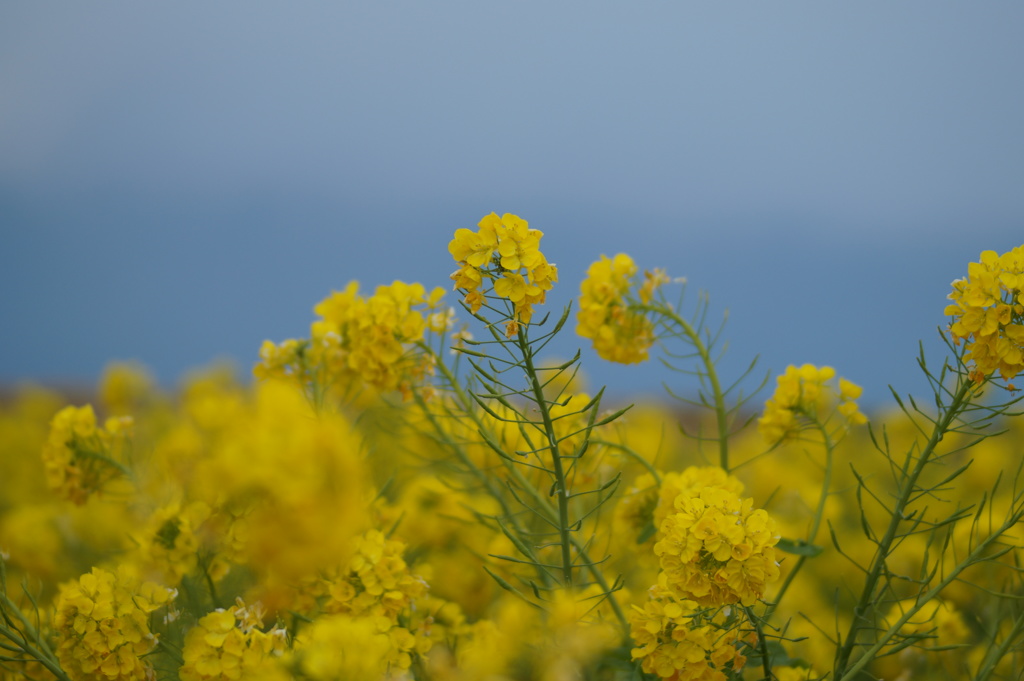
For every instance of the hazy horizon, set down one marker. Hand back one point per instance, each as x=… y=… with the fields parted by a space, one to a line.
x=179 y=183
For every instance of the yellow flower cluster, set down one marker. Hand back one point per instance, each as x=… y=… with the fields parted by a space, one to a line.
x=988 y=312
x=228 y=644
x=689 y=483
x=504 y=251
x=436 y=520
x=378 y=586
x=803 y=396
x=678 y=640
x=644 y=507
x=170 y=543
x=285 y=485
x=716 y=549
x=125 y=386
x=577 y=632
x=520 y=641
x=368 y=339
x=620 y=332
x=80 y=458
x=102 y=626
x=342 y=647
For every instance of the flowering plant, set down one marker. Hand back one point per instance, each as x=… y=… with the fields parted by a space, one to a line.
x=378 y=508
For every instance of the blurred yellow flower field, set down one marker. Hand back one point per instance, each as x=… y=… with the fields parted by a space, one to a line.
x=374 y=506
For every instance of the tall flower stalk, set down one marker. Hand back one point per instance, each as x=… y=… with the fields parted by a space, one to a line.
x=502 y=275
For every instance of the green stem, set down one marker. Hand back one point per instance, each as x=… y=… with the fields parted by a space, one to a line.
x=953 y=575
x=762 y=644
x=470 y=408
x=561 y=487
x=205 y=565
x=721 y=414
x=171 y=652
x=819 y=514
x=994 y=654
x=42 y=654
x=51 y=665
x=874 y=573
x=481 y=477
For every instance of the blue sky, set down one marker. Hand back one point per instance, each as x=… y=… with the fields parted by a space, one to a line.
x=179 y=182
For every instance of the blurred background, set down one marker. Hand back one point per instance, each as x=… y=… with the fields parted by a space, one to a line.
x=179 y=182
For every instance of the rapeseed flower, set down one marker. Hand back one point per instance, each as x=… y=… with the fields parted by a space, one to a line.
x=342 y=647
x=102 y=626
x=377 y=586
x=716 y=549
x=365 y=526
x=227 y=645
x=988 y=314
x=504 y=253
x=690 y=482
x=804 y=397
x=609 y=313
x=574 y=635
x=125 y=386
x=285 y=485
x=646 y=503
x=677 y=639
x=82 y=458
x=171 y=541
x=368 y=340
x=376 y=582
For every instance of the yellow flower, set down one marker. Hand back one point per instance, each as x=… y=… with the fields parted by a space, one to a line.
x=607 y=315
x=287 y=481
x=170 y=542
x=376 y=583
x=475 y=300
x=804 y=397
x=227 y=645
x=102 y=626
x=716 y=549
x=343 y=647
x=514 y=287
x=124 y=386
x=370 y=340
x=645 y=505
x=81 y=458
x=474 y=248
x=518 y=246
x=506 y=251
x=988 y=314
x=543 y=275
x=467 y=278
x=676 y=639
